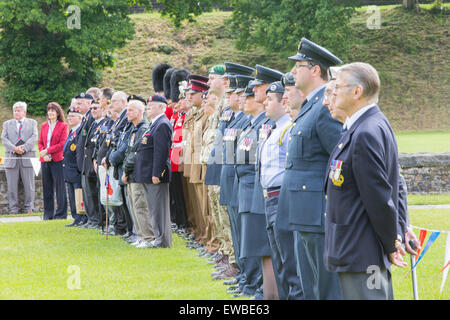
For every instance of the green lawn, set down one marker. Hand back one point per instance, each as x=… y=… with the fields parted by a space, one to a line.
x=429 y=199
x=428 y=276
x=427 y=141
x=35 y=258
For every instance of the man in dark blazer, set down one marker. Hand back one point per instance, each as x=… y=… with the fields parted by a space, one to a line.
x=72 y=176
x=83 y=103
x=362 y=191
x=92 y=191
x=152 y=169
x=312 y=137
x=118 y=105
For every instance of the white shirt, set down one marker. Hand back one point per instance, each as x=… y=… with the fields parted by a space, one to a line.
x=157 y=117
x=273 y=154
x=50 y=131
x=351 y=120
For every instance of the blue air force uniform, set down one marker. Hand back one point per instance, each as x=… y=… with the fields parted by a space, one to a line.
x=312 y=138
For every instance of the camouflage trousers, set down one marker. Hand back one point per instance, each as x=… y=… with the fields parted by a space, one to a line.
x=221 y=223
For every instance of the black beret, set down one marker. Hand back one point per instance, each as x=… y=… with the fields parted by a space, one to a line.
x=276 y=87
x=266 y=75
x=158 y=75
x=309 y=51
x=74 y=110
x=157 y=98
x=288 y=80
x=177 y=76
x=232 y=68
x=84 y=96
x=135 y=97
x=166 y=82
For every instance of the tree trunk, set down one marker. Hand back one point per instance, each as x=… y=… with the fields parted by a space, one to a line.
x=410 y=4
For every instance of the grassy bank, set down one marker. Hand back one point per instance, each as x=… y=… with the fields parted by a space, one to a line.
x=410 y=51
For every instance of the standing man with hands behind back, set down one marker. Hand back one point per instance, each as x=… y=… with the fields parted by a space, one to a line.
x=362 y=189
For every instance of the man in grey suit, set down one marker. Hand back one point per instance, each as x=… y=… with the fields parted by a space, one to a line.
x=19 y=136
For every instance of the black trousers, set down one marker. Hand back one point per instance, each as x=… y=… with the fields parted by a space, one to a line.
x=177 y=202
x=91 y=199
x=53 y=183
x=125 y=211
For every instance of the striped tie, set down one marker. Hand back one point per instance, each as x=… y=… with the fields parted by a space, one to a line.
x=20 y=130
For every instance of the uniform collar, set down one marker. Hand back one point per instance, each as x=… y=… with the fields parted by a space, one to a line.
x=314 y=92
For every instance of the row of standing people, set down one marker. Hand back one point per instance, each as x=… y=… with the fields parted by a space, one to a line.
x=264 y=152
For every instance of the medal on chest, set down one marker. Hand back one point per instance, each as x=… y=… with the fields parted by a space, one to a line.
x=73 y=147
x=335 y=172
x=264 y=131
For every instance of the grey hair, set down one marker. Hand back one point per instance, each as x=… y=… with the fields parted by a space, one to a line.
x=138 y=104
x=363 y=74
x=120 y=95
x=20 y=104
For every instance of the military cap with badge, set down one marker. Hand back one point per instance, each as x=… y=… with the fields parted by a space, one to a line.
x=232 y=69
x=266 y=75
x=310 y=51
x=242 y=82
x=83 y=95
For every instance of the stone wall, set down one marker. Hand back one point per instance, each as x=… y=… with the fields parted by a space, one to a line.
x=426 y=172
x=423 y=172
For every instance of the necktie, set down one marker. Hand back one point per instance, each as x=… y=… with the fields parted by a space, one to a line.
x=20 y=131
x=271 y=130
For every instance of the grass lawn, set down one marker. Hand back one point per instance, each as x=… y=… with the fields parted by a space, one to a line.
x=427 y=141
x=429 y=199
x=428 y=276
x=35 y=258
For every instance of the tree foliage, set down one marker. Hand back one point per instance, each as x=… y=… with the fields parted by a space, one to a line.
x=278 y=25
x=43 y=58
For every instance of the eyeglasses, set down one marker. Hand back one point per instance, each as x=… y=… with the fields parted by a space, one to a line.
x=298 y=66
x=337 y=87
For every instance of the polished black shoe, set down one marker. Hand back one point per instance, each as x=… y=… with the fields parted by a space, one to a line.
x=242 y=294
x=230 y=282
x=73 y=224
x=234 y=291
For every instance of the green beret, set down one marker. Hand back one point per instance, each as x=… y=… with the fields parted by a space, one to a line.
x=217 y=69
